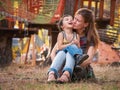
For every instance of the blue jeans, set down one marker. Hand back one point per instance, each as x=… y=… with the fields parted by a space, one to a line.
x=61 y=59
x=73 y=50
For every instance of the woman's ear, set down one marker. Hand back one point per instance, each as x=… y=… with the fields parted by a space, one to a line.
x=86 y=24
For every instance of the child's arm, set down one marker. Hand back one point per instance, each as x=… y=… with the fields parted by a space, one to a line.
x=60 y=42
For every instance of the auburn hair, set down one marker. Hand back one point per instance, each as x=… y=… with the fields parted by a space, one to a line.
x=90 y=31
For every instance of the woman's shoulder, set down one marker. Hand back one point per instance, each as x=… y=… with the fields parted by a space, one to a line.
x=83 y=37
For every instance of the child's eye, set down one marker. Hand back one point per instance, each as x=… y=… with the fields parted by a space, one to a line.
x=66 y=19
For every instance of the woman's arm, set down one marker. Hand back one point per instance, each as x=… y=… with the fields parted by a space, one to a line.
x=91 y=53
x=53 y=52
x=78 y=40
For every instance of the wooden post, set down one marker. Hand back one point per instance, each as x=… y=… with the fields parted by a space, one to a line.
x=50 y=41
x=112 y=12
x=27 y=49
x=81 y=3
x=30 y=48
x=33 y=50
x=96 y=7
x=5 y=48
x=101 y=8
x=0 y=24
x=54 y=36
x=89 y=4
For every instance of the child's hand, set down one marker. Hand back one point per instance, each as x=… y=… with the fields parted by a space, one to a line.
x=75 y=42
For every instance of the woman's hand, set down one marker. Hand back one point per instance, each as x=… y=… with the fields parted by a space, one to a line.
x=91 y=53
x=86 y=63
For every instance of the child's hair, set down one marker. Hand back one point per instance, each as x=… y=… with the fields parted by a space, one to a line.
x=60 y=22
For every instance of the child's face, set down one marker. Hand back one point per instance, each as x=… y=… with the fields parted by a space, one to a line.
x=67 y=22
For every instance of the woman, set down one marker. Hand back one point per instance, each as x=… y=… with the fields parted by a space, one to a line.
x=84 y=24
x=67 y=37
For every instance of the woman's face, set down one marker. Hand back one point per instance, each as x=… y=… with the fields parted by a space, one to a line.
x=78 y=22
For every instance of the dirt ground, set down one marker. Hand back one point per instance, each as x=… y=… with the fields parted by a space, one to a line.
x=17 y=77
x=107 y=55
x=21 y=77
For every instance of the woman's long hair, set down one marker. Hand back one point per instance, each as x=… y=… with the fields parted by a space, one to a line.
x=90 y=31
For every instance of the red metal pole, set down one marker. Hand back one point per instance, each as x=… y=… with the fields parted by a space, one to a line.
x=59 y=11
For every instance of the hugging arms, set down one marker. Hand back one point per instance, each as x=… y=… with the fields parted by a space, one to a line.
x=84 y=24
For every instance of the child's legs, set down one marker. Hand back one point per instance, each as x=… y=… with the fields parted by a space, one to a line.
x=58 y=62
x=69 y=64
x=73 y=50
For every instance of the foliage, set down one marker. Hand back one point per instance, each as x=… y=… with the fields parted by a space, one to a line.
x=46 y=11
x=16 y=0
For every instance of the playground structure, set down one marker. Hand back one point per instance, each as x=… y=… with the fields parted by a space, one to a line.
x=19 y=22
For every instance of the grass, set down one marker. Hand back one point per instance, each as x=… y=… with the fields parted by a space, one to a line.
x=42 y=19
x=18 y=77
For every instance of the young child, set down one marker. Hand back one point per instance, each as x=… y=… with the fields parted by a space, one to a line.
x=69 y=41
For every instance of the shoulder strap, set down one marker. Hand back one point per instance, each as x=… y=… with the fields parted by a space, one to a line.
x=75 y=35
x=64 y=35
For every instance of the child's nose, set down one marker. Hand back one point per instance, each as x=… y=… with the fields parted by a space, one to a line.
x=71 y=20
